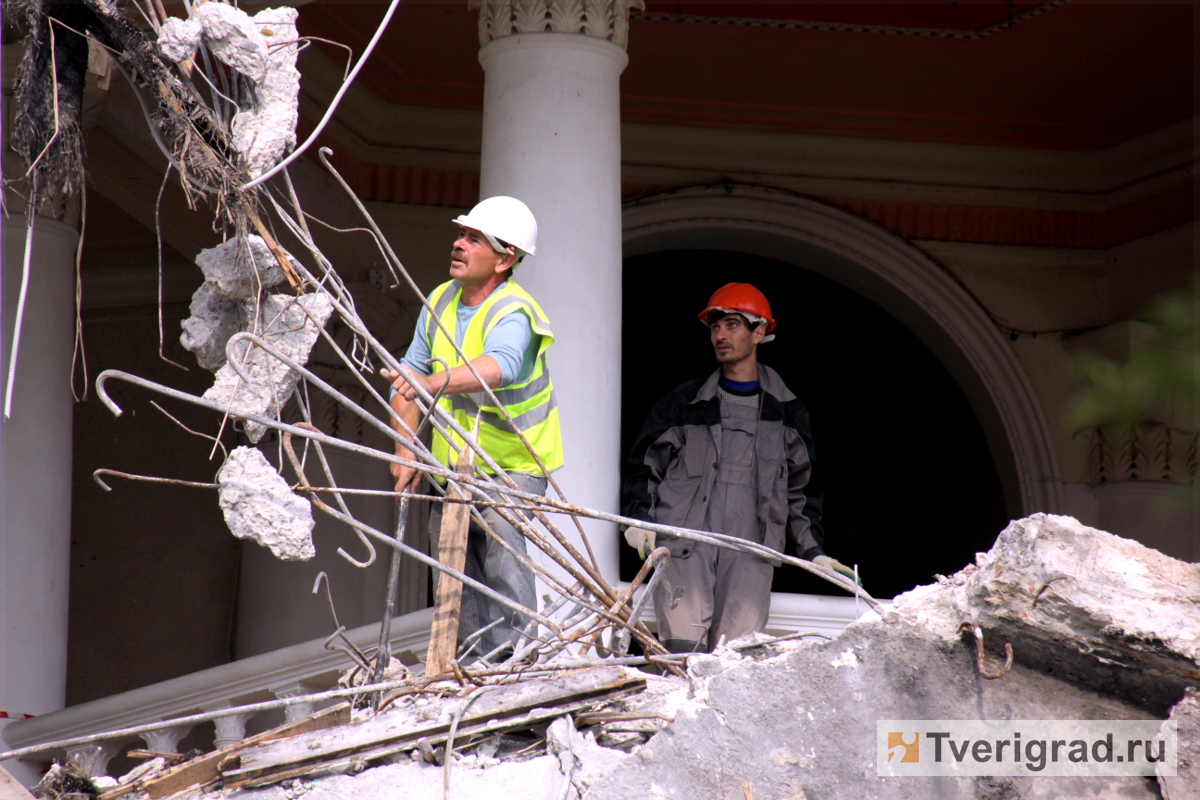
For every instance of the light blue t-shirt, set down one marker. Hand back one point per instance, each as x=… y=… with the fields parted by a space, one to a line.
x=511 y=343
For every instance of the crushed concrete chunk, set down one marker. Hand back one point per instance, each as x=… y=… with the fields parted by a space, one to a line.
x=1080 y=603
x=178 y=38
x=240 y=268
x=214 y=319
x=265 y=131
x=258 y=505
x=233 y=37
x=290 y=324
x=1185 y=783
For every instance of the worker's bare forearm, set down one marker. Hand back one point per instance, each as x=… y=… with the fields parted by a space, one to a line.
x=463 y=381
x=410 y=413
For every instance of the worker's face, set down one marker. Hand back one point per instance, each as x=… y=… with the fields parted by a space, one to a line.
x=733 y=338
x=473 y=262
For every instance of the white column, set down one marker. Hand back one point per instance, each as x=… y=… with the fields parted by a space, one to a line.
x=35 y=475
x=552 y=138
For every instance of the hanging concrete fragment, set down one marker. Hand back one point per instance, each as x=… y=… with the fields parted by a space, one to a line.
x=234 y=271
x=240 y=268
x=214 y=319
x=178 y=38
x=265 y=130
x=258 y=505
x=233 y=37
x=290 y=324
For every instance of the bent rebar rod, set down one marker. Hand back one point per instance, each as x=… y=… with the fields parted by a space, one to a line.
x=515 y=520
x=208 y=716
x=324 y=154
x=518 y=522
x=720 y=540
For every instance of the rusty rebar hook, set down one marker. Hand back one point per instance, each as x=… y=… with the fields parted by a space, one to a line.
x=977 y=632
x=436 y=397
x=351 y=650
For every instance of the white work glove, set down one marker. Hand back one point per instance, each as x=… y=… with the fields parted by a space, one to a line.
x=641 y=540
x=833 y=565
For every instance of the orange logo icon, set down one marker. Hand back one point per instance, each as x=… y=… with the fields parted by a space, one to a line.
x=898 y=745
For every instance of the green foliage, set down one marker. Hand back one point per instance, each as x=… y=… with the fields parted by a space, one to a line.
x=1164 y=372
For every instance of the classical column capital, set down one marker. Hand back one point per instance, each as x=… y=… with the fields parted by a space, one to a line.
x=601 y=19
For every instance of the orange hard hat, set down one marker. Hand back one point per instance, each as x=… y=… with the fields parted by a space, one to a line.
x=740 y=298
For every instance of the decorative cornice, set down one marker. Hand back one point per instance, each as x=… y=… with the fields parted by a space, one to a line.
x=1147 y=452
x=600 y=19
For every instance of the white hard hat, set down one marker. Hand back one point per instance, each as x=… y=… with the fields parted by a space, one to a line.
x=506 y=219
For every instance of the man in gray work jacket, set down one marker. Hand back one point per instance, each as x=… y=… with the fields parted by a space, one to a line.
x=730 y=453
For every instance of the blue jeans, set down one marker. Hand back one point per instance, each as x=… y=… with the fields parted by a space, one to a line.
x=494 y=566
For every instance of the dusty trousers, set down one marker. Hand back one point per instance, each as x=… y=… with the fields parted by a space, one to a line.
x=494 y=566
x=717 y=592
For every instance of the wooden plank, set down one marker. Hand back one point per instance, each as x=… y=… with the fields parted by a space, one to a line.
x=464 y=732
x=206 y=768
x=505 y=706
x=11 y=788
x=452 y=551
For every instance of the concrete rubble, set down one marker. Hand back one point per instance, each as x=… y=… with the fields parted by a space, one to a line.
x=259 y=505
x=178 y=39
x=233 y=37
x=1101 y=627
x=291 y=325
x=265 y=130
x=263 y=48
x=235 y=273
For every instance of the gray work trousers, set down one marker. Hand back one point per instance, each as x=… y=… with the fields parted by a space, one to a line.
x=717 y=592
x=497 y=568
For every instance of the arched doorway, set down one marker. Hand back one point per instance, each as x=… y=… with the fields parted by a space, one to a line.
x=863 y=271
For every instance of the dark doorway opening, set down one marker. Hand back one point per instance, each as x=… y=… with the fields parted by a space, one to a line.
x=911 y=488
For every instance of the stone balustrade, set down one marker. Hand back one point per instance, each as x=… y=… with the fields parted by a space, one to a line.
x=301 y=669
x=288 y=672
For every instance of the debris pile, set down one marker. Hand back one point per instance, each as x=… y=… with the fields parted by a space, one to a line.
x=765 y=717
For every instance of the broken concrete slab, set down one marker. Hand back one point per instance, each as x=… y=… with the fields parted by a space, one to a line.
x=259 y=505
x=291 y=325
x=795 y=719
x=240 y=268
x=213 y=320
x=233 y=38
x=265 y=130
x=1185 y=783
x=802 y=723
x=1079 y=603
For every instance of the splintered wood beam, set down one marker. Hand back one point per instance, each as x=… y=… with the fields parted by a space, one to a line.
x=452 y=551
x=206 y=768
x=504 y=707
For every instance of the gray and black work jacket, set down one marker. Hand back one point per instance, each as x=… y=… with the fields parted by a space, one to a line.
x=675 y=459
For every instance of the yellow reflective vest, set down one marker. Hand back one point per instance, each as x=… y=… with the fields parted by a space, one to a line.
x=530 y=403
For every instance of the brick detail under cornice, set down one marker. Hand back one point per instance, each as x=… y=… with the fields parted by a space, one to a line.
x=418 y=186
x=947 y=222
x=1028 y=226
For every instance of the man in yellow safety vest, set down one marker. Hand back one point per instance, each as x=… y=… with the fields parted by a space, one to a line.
x=504 y=334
